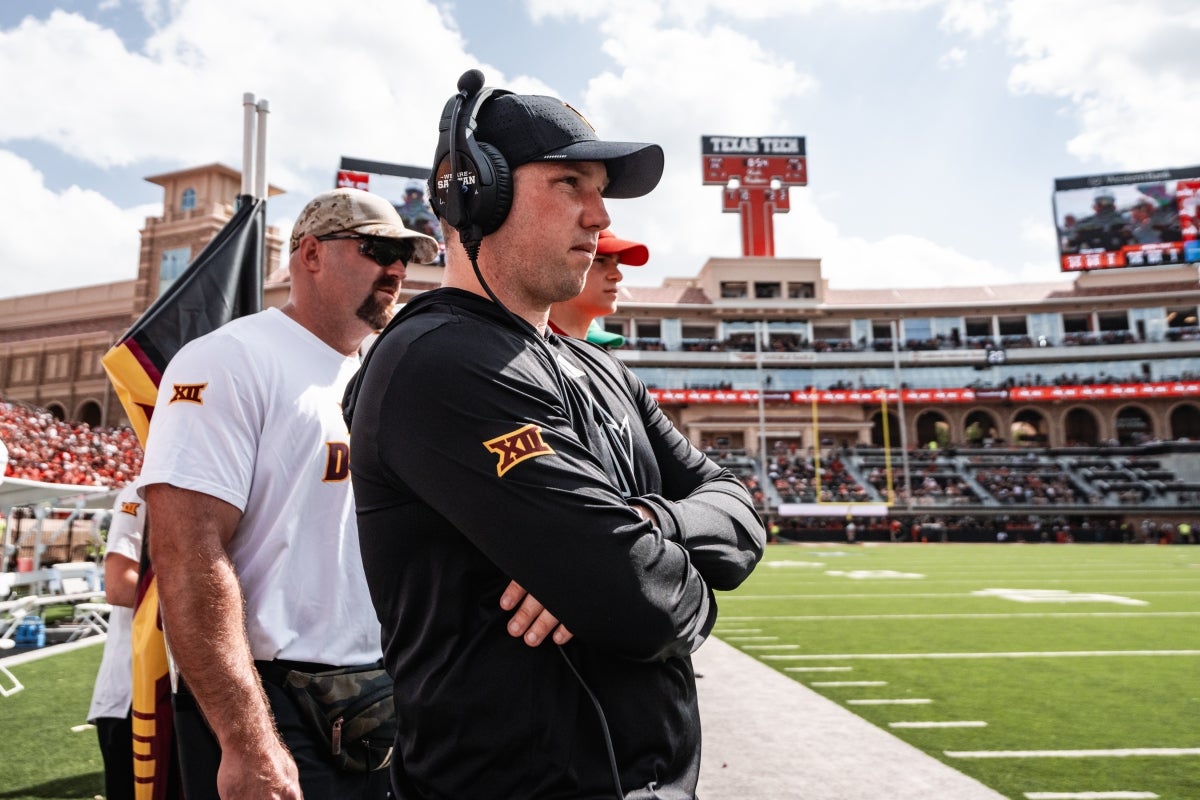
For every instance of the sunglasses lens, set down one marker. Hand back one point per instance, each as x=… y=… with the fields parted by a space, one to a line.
x=385 y=253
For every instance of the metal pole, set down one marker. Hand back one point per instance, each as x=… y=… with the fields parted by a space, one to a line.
x=248 y=111
x=900 y=414
x=762 y=414
x=260 y=171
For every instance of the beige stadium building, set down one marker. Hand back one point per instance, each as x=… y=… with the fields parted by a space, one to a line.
x=757 y=356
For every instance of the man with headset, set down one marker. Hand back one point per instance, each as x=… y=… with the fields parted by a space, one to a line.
x=489 y=450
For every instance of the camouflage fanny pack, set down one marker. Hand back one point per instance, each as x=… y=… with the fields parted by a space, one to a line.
x=349 y=709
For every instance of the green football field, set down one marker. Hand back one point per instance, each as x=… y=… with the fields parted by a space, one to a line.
x=1045 y=671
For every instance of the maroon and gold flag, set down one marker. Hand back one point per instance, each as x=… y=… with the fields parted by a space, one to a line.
x=225 y=281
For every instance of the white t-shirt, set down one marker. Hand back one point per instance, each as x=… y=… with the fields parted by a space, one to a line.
x=113 y=693
x=251 y=414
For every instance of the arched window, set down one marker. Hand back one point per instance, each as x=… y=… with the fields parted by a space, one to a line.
x=188 y=201
x=89 y=413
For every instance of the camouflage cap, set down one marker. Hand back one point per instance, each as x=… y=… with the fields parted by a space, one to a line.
x=347 y=210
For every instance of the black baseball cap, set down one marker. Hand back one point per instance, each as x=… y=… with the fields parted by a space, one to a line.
x=530 y=127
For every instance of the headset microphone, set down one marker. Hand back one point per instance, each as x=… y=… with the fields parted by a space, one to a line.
x=469 y=85
x=471 y=186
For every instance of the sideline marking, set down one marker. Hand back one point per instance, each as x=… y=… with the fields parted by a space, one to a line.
x=1132 y=751
x=1072 y=654
x=1090 y=795
x=950 y=724
x=929 y=595
x=1005 y=615
x=752 y=638
x=818 y=669
x=873 y=574
x=771 y=646
x=848 y=683
x=1057 y=596
x=900 y=701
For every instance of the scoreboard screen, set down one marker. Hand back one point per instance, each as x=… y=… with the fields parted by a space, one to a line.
x=754 y=160
x=1138 y=219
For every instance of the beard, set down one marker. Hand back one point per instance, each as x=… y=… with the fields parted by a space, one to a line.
x=375 y=311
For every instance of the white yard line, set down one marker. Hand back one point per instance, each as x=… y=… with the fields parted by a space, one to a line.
x=818 y=669
x=1066 y=654
x=934 y=595
x=1124 y=753
x=1090 y=796
x=898 y=701
x=848 y=683
x=1006 y=615
x=964 y=723
x=771 y=647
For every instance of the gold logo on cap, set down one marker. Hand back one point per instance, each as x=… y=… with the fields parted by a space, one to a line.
x=515 y=447
x=581 y=116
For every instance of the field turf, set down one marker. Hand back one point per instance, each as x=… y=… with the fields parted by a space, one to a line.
x=41 y=756
x=1042 y=670
x=1045 y=671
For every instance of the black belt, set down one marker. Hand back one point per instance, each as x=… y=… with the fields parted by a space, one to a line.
x=276 y=671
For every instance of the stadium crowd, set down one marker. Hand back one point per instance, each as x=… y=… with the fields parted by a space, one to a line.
x=796 y=480
x=44 y=448
x=795 y=343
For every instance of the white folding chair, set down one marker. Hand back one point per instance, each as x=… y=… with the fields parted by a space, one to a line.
x=17 y=686
x=90 y=618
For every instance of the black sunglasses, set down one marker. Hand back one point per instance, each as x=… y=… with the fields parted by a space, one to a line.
x=383 y=252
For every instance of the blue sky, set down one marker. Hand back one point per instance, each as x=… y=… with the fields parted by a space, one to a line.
x=934 y=128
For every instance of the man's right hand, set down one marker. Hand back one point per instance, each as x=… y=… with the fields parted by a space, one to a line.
x=531 y=621
x=266 y=773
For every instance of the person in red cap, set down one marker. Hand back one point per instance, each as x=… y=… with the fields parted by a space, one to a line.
x=577 y=317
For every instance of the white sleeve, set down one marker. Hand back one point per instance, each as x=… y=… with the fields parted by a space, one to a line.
x=207 y=421
x=128 y=523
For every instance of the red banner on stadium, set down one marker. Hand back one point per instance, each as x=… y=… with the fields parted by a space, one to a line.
x=1128 y=391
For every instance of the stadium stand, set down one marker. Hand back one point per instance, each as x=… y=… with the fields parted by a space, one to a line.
x=1064 y=408
x=993 y=494
x=44 y=448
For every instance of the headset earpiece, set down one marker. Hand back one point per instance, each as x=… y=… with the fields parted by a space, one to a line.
x=491 y=214
x=471 y=185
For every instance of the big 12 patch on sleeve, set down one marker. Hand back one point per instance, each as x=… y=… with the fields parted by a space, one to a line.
x=517 y=446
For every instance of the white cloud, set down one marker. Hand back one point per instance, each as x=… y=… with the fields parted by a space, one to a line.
x=1126 y=71
x=905 y=262
x=179 y=99
x=177 y=103
x=954 y=57
x=71 y=238
x=672 y=86
x=1037 y=231
x=972 y=17
x=366 y=79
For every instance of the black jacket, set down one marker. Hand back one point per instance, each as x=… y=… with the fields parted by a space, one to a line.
x=476 y=460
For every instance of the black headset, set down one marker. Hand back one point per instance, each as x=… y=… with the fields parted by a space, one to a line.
x=471 y=184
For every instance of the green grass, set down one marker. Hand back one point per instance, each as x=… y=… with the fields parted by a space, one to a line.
x=820 y=606
x=40 y=756
x=807 y=600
